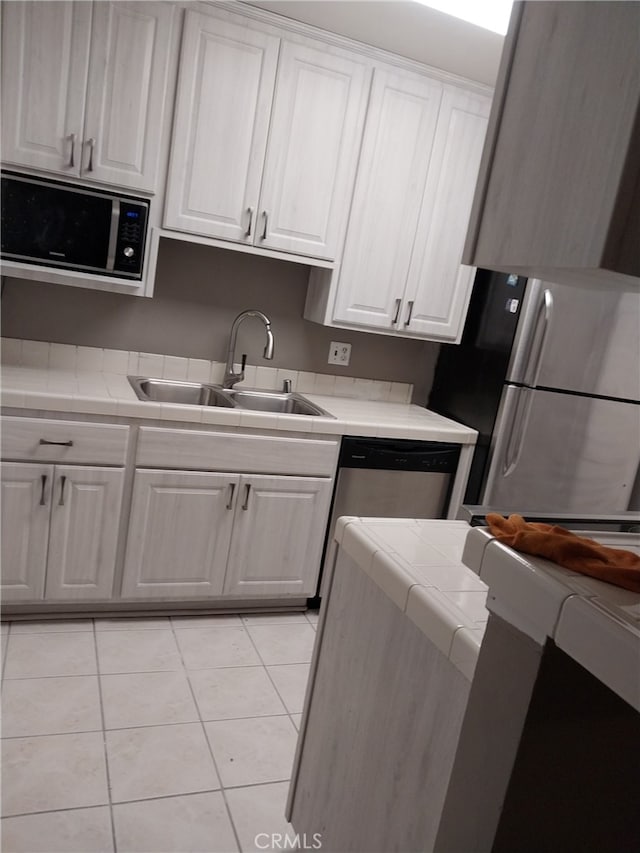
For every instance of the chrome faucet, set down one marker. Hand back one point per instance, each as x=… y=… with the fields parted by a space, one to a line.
x=230 y=377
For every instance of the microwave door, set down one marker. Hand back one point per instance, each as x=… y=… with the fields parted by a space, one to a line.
x=563 y=453
x=50 y=224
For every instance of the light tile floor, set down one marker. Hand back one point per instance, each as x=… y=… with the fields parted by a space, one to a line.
x=158 y=735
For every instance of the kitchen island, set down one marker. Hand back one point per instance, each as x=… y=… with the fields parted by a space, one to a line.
x=434 y=722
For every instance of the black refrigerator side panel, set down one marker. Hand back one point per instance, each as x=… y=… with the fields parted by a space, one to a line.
x=468 y=379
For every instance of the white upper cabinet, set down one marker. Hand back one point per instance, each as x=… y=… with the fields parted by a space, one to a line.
x=389 y=190
x=438 y=285
x=223 y=104
x=84 y=87
x=316 y=126
x=266 y=137
x=126 y=90
x=45 y=58
x=401 y=272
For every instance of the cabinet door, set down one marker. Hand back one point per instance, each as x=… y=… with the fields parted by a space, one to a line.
x=225 y=89
x=179 y=532
x=26 y=503
x=313 y=147
x=85 y=519
x=126 y=92
x=390 y=186
x=438 y=285
x=45 y=52
x=278 y=536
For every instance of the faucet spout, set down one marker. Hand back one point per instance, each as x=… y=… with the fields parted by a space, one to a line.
x=230 y=376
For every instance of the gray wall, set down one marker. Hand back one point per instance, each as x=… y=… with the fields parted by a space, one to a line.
x=198 y=292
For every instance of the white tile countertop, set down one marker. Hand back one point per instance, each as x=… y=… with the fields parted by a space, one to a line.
x=54 y=377
x=596 y=623
x=418 y=564
x=447 y=576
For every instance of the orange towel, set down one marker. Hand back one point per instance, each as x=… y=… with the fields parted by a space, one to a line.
x=576 y=553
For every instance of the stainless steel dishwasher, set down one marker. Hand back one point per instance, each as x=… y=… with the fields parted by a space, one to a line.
x=390 y=478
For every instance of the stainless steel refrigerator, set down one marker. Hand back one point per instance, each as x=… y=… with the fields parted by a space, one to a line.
x=550 y=377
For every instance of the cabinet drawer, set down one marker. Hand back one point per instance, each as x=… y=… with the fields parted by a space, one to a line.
x=220 y=451
x=43 y=440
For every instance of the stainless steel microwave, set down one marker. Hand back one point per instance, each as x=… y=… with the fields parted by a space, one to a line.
x=55 y=224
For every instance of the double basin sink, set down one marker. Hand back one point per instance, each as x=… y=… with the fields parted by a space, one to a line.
x=204 y=394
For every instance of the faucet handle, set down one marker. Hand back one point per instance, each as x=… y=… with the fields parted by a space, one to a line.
x=244 y=362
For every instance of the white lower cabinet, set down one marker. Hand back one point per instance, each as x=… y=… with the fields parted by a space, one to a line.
x=59 y=531
x=179 y=534
x=278 y=536
x=194 y=534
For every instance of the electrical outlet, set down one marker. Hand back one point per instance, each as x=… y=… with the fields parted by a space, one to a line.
x=339 y=353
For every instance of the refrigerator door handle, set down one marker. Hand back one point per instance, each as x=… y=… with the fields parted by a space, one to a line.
x=545 y=310
x=509 y=433
x=517 y=429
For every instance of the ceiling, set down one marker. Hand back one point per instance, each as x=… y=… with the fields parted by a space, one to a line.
x=403 y=27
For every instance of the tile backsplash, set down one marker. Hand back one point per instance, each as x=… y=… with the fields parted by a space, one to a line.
x=82 y=359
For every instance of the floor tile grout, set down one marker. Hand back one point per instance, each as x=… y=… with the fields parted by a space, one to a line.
x=177 y=629
x=272 y=681
x=104 y=742
x=106 y=729
x=210 y=747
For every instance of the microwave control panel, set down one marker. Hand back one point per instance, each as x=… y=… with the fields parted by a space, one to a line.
x=132 y=227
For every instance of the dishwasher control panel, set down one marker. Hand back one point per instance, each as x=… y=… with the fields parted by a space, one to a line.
x=399 y=455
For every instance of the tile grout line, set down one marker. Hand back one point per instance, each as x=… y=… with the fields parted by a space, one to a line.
x=207 y=741
x=104 y=740
x=5 y=649
x=149 y=799
x=266 y=667
x=146 y=726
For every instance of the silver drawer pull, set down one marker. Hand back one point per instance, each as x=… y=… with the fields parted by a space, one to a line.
x=265 y=213
x=397 y=314
x=63 y=481
x=92 y=144
x=43 y=480
x=57 y=443
x=72 y=139
x=245 y=505
x=232 y=488
x=408 y=320
x=247 y=233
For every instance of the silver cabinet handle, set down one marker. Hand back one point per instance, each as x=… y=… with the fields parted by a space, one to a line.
x=408 y=320
x=265 y=213
x=245 y=505
x=247 y=233
x=57 y=443
x=72 y=139
x=92 y=144
x=232 y=488
x=397 y=314
x=43 y=481
x=63 y=481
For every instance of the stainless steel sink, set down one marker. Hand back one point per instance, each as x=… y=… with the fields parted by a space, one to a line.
x=173 y=391
x=204 y=394
x=274 y=401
